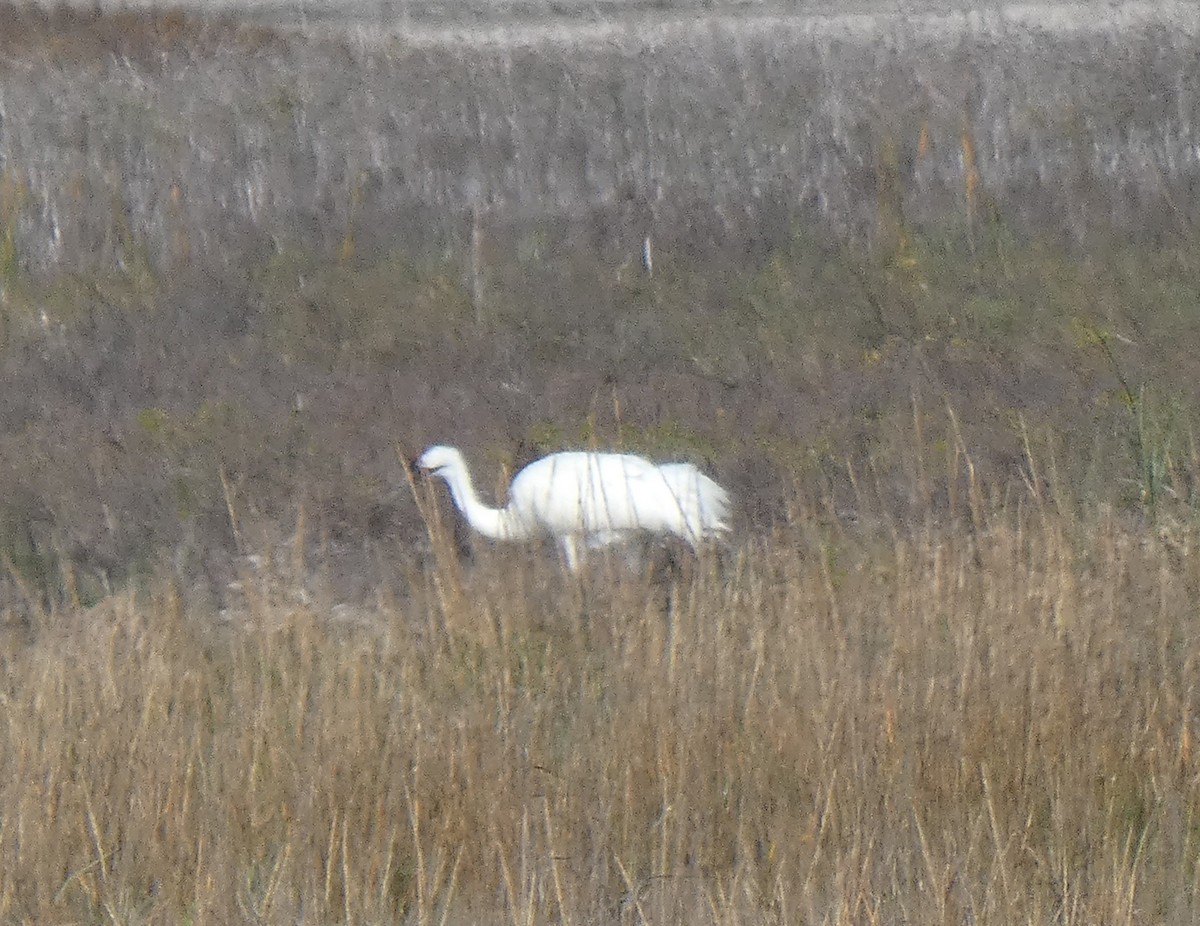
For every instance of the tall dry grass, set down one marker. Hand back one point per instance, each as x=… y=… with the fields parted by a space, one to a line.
x=991 y=722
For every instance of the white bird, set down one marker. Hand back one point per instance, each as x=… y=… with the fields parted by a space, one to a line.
x=594 y=498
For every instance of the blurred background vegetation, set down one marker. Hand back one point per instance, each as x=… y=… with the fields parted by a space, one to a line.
x=243 y=272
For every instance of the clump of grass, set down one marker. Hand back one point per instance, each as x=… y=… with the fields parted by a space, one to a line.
x=991 y=721
x=13 y=195
x=382 y=312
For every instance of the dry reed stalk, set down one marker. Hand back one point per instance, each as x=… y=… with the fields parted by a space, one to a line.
x=984 y=720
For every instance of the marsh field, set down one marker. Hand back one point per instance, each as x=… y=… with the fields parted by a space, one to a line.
x=922 y=289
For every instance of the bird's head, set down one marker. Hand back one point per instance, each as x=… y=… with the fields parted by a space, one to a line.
x=438 y=460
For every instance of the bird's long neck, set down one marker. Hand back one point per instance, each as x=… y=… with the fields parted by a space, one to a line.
x=497 y=523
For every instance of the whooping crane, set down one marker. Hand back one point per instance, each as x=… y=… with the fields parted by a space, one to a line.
x=594 y=498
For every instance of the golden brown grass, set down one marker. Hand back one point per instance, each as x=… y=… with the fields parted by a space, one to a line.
x=987 y=723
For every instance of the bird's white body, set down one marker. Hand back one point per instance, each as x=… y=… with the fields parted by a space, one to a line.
x=595 y=499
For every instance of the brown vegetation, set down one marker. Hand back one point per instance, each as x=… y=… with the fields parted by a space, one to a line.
x=945 y=673
x=991 y=723
x=145 y=436
x=240 y=270
x=184 y=142
x=90 y=40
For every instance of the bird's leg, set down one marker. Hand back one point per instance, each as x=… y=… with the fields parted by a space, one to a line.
x=570 y=548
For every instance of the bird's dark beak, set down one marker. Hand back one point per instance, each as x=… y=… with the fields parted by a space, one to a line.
x=415 y=470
